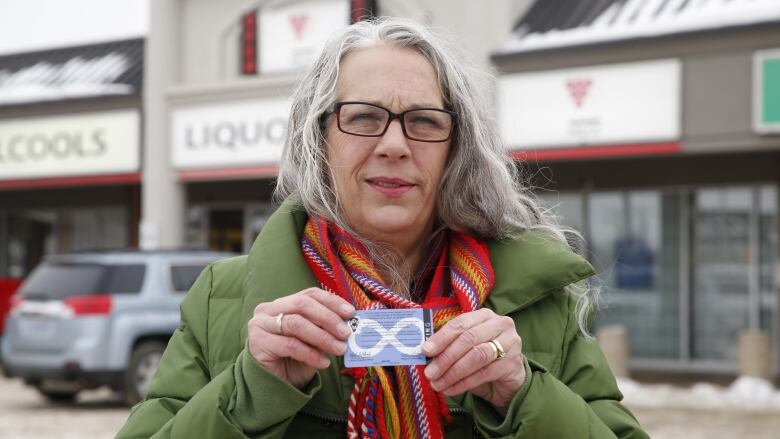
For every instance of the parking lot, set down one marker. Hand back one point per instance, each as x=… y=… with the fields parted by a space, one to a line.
x=26 y=415
x=97 y=414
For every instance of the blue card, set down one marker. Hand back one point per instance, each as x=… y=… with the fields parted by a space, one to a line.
x=388 y=337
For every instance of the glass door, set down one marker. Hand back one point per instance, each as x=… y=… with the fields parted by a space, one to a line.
x=226 y=230
x=635 y=243
x=721 y=256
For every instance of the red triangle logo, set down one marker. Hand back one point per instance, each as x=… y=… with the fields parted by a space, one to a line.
x=298 y=22
x=578 y=89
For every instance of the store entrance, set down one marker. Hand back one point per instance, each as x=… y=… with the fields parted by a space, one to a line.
x=227 y=227
x=226 y=230
x=27 y=237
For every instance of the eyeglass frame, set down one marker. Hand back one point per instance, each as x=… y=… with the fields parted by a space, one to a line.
x=336 y=107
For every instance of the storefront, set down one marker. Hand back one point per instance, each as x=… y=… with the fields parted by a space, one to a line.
x=70 y=130
x=652 y=129
x=219 y=85
x=226 y=134
x=226 y=154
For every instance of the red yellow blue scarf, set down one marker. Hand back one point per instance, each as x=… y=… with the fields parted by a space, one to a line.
x=390 y=402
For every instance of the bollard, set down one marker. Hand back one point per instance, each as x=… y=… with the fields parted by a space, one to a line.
x=755 y=354
x=613 y=340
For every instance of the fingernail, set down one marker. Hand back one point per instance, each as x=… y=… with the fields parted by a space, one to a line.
x=324 y=362
x=347 y=308
x=344 y=330
x=436 y=385
x=431 y=371
x=428 y=346
x=339 y=347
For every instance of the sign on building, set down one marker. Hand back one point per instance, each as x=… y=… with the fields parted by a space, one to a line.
x=625 y=103
x=766 y=91
x=292 y=36
x=231 y=134
x=65 y=146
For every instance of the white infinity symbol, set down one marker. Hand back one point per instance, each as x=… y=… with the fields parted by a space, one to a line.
x=388 y=337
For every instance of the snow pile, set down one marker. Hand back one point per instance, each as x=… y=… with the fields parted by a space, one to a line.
x=746 y=393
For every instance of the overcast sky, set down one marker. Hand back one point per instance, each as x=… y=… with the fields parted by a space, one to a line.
x=27 y=25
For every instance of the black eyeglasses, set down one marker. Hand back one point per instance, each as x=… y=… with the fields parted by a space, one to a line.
x=369 y=120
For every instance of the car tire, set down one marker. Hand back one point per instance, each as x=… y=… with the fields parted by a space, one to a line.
x=58 y=396
x=141 y=369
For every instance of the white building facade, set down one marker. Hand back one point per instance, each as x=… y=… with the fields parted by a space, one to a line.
x=218 y=84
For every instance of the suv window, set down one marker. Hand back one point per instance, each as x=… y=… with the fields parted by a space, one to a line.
x=183 y=276
x=57 y=281
x=125 y=278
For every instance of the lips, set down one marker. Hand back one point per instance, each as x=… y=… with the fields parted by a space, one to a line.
x=391 y=187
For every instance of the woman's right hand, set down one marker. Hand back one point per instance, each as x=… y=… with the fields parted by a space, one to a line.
x=312 y=325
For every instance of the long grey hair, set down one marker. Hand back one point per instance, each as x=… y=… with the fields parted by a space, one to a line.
x=481 y=190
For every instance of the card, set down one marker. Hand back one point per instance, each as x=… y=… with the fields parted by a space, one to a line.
x=388 y=337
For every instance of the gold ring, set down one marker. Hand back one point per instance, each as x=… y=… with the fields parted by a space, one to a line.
x=279 y=323
x=498 y=350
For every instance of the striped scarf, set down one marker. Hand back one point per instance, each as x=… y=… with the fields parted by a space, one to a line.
x=391 y=402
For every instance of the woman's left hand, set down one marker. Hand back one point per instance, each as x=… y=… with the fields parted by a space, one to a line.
x=464 y=360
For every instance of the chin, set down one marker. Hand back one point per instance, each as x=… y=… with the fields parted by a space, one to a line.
x=391 y=219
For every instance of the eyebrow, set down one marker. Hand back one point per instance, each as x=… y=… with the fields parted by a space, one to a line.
x=414 y=107
x=410 y=107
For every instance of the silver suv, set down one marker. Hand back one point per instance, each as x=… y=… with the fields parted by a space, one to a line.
x=84 y=320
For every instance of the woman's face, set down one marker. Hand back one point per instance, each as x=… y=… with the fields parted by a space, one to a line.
x=387 y=185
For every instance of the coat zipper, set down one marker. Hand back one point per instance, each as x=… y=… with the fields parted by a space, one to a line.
x=327 y=418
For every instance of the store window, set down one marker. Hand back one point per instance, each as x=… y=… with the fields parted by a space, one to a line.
x=196 y=228
x=27 y=235
x=256 y=217
x=95 y=228
x=685 y=271
x=635 y=243
x=768 y=248
x=567 y=208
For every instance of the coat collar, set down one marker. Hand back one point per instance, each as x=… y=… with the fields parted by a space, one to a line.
x=530 y=267
x=526 y=269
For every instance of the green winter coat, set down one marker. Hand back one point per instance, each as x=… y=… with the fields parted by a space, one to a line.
x=208 y=386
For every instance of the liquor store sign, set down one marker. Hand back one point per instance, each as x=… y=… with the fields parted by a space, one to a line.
x=766 y=91
x=292 y=35
x=67 y=146
x=229 y=134
x=596 y=105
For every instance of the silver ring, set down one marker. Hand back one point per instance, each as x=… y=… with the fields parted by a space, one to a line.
x=279 y=329
x=498 y=350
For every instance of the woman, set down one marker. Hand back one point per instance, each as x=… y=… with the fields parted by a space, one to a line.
x=398 y=195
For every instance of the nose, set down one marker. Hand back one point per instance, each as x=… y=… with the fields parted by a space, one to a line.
x=393 y=143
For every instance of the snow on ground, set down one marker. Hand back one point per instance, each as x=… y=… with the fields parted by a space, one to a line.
x=745 y=393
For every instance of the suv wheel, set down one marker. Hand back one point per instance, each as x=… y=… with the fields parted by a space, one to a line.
x=143 y=365
x=58 y=396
